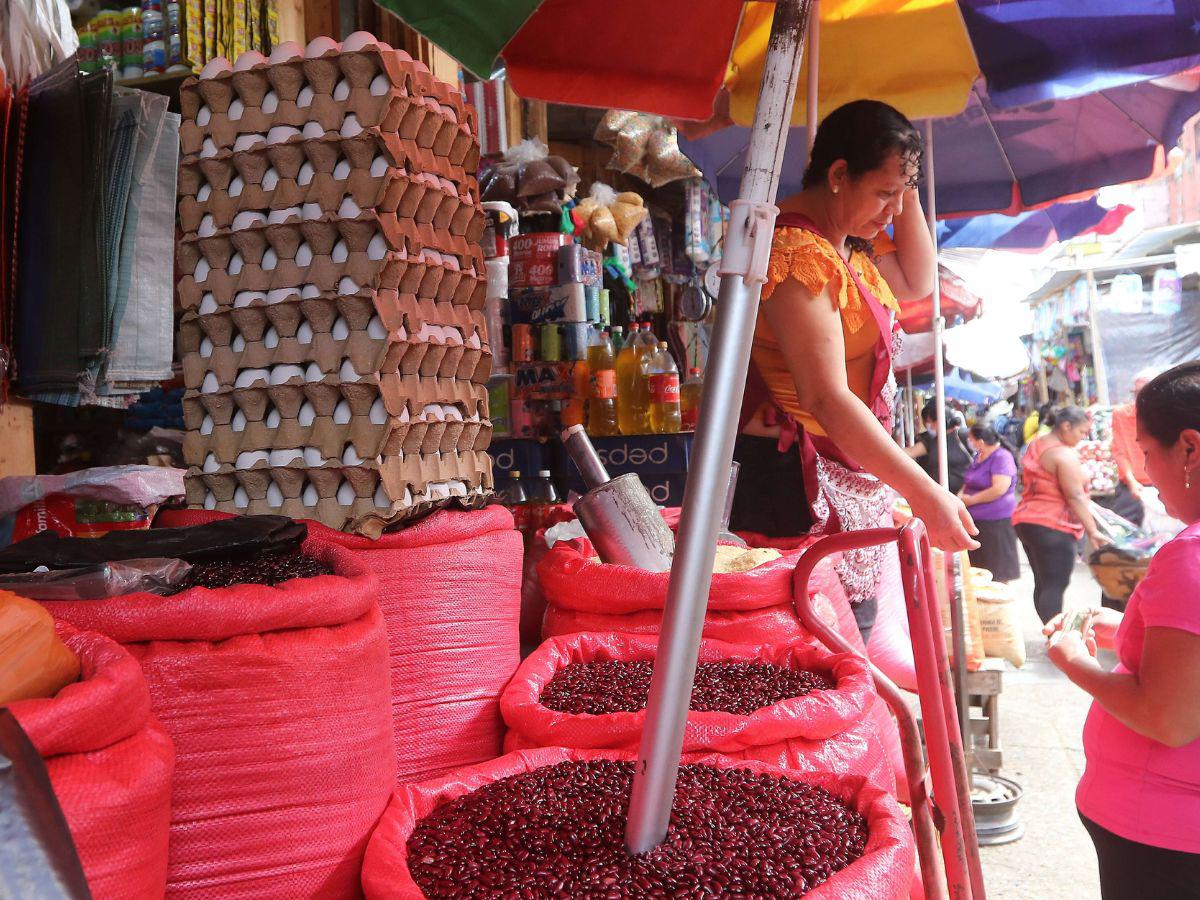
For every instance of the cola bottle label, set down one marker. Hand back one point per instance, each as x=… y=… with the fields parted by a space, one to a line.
x=664 y=388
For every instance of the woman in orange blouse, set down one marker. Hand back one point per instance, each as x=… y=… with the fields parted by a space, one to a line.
x=815 y=448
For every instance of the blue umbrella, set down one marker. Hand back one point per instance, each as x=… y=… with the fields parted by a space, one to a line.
x=966 y=390
x=1031 y=230
x=992 y=160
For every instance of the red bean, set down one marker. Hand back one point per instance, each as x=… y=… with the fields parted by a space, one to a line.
x=624 y=686
x=264 y=568
x=559 y=831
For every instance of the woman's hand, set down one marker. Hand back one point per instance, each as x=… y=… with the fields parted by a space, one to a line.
x=946 y=518
x=1067 y=649
x=1101 y=631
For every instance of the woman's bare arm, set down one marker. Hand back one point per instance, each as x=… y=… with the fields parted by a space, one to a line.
x=1073 y=482
x=909 y=271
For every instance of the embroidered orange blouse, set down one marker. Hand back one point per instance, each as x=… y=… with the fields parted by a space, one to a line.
x=812 y=260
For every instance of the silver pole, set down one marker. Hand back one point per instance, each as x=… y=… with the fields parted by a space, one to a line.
x=1102 y=395
x=747 y=249
x=814 y=74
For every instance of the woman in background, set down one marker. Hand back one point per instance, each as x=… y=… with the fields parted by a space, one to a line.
x=1053 y=512
x=925 y=450
x=989 y=492
x=1139 y=797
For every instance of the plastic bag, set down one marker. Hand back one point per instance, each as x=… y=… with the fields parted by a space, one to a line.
x=130 y=576
x=34 y=663
x=883 y=872
x=142 y=486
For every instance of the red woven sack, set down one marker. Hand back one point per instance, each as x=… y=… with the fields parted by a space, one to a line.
x=277 y=701
x=824 y=730
x=883 y=872
x=772 y=625
x=110 y=763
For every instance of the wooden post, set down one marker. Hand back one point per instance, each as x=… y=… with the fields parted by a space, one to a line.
x=514 y=115
x=16 y=448
x=321 y=19
x=291 y=21
x=536 y=125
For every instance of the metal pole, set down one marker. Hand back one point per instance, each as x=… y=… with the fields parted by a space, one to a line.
x=910 y=412
x=747 y=251
x=1102 y=395
x=814 y=75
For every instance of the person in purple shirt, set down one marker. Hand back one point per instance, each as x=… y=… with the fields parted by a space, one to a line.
x=990 y=493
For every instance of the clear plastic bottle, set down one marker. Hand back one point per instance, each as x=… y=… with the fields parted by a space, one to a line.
x=689 y=400
x=627 y=373
x=665 y=415
x=646 y=348
x=602 y=376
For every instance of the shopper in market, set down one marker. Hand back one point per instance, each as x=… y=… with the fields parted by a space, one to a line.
x=815 y=449
x=925 y=450
x=1139 y=797
x=990 y=493
x=1131 y=468
x=1052 y=514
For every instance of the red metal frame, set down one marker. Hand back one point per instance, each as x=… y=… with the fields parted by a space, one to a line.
x=948 y=809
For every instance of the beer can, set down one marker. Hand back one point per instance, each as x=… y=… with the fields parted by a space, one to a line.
x=522 y=343
x=552 y=349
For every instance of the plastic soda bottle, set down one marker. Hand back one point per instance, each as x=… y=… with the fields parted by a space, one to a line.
x=627 y=374
x=689 y=400
x=542 y=497
x=513 y=496
x=665 y=415
x=646 y=348
x=602 y=373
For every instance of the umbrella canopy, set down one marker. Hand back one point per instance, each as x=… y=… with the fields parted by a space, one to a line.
x=966 y=390
x=991 y=159
x=957 y=301
x=1034 y=230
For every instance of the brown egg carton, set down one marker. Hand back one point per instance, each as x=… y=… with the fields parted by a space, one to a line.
x=326 y=90
x=373 y=251
x=363 y=498
x=302 y=180
x=377 y=333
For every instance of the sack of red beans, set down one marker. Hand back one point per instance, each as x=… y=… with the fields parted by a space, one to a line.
x=110 y=763
x=794 y=705
x=552 y=822
x=276 y=697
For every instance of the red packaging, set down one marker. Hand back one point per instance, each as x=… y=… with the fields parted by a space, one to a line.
x=78 y=517
x=534 y=259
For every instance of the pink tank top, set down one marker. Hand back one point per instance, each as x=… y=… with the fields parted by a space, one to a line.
x=1042 y=500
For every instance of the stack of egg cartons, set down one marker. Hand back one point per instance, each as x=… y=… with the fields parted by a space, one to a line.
x=333 y=338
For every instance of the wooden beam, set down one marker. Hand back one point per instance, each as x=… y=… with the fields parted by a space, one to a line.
x=291 y=21
x=16 y=439
x=321 y=19
x=514 y=115
x=536 y=125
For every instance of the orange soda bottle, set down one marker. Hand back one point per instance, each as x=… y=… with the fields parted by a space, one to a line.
x=602 y=401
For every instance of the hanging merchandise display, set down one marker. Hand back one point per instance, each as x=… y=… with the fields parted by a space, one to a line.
x=334 y=340
x=646 y=147
x=530 y=178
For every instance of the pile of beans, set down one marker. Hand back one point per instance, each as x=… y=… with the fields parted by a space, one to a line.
x=624 y=686
x=559 y=831
x=264 y=568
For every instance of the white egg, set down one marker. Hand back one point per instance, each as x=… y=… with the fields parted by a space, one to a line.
x=279 y=295
x=453 y=336
x=279 y=216
x=208 y=226
x=345 y=493
x=341 y=413
x=313 y=373
x=208 y=304
x=347 y=373
x=380 y=85
x=458 y=488
x=270 y=180
x=346 y=286
x=200 y=273
x=204 y=116
x=237 y=184
x=270 y=103
x=238 y=344
x=273 y=418
x=283 y=457
x=248 y=377
x=350 y=456
x=242 y=299
x=210 y=385
x=281 y=372
x=240 y=498
x=319 y=46
x=340 y=252
x=379 y=166
x=215 y=67
x=248 y=218
x=377 y=248
x=271 y=340
x=407 y=500
x=379 y=413
x=235 y=264
x=286 y=51
x=309 y=497
x=404 y=416
x=359 y=40
x=375 y=328
x=204 y=193
x=341 y=90
x=210 y=464
x=310 y=212
x=350 y=127
x=342 y=170
x=310 y=292
x=348 y=209
x=249 y=141
x=248 y=458
x=473 y=341
x=451 y=413
x=313 y=457
x=281 y=134
x=236 y=110
x=306 y=175
x=304 y=255
x=381 y=500
x=238 y=422
x=304 y=334
x=248 y=60
x=433 y=412
x=340 y=329
x=206 y=348
x=208 y=149
x=304 y=99
x=270 y=260
x=307 y=415
x=401 y=333
x=274 y=495
x=206 y=427
x=210 y=502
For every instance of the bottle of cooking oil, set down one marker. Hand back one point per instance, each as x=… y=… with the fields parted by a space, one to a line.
x=665 y=415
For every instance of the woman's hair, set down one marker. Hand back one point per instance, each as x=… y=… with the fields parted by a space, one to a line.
x=929 y=414
x=1171 y=403
x=1046 y=415
x=863 y=133
x=990 y=436
x=1068 y=415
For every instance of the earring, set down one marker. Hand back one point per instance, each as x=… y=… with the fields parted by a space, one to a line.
x=1187 y=479
x=835 y=188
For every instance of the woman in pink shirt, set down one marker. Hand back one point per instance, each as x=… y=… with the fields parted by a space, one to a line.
x=1139 y=797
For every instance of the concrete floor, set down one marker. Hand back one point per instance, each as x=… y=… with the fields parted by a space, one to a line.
x=1041 y=727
